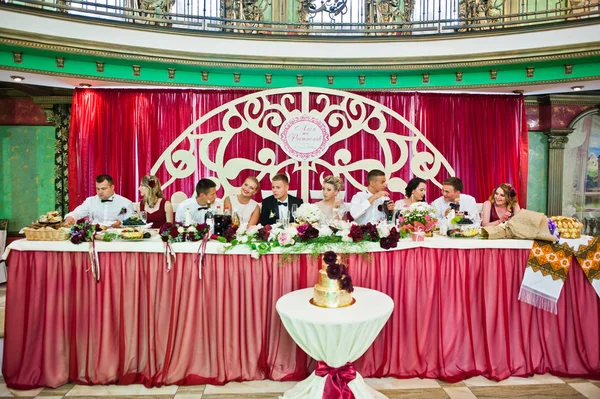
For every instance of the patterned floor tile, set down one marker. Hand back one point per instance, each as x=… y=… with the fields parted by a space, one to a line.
x=526 y=392
x=459 y=393
x=126 y=397
x=242 y=396
x=60 y=391
x=433 y=393
x=480 y=381
x=191 y=390
x=444 y=384
x=247 y=387
x=396 y=383
x=6 y=392
x=121 y=390
x=587 y=389
x=569 y=380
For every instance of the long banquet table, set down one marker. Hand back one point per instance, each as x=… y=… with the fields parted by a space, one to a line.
x=456 y=315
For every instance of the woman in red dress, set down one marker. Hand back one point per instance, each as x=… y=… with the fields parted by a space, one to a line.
x=158 y=210
x=502 y=205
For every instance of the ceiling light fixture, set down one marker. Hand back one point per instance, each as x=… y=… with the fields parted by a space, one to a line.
x=17 y=78
x=577 y=88
x=85 y=85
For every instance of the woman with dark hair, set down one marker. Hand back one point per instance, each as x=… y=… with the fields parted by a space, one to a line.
x=158 y=210
x=415 y=192
x=501 y=206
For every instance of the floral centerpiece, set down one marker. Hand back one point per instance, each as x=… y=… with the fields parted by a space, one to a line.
x=83 y=231
x=178 y=232
x=418 y=217
x=307 y=213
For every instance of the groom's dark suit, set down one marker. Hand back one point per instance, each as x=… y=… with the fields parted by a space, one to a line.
x=270 y=207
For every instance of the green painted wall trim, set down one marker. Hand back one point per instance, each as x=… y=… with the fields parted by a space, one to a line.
x=27 y=176
x=84 y=67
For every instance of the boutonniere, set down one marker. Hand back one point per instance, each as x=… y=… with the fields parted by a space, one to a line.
x=123 y=211
x=271 y=215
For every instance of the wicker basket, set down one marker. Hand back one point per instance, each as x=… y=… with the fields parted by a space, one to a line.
x=46 y=234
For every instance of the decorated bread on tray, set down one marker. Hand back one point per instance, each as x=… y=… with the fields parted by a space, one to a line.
x=568 y=227
x=49 y=220
x=132 y=234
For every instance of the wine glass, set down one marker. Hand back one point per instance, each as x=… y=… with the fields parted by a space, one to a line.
x=143 y=216
x=293 y=210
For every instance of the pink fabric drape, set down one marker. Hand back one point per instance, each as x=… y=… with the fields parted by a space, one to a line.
x=124 y=132
x=456 y=315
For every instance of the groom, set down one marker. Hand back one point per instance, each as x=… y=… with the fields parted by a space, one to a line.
x=280 y=203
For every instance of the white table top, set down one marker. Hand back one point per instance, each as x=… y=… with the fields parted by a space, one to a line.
x=214 y=247
x=369 y=305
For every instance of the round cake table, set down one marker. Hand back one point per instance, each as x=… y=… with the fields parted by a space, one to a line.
x=334 y=336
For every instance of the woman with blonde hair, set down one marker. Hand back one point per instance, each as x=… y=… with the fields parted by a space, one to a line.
x=242 y=203
x=501 y=206
x=158 y=210
x=332 y=185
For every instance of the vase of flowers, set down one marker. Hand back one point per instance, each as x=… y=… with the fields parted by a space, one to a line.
x=307 y=213
x=419 y=217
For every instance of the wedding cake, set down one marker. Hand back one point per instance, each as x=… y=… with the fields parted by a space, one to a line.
x=334 y=289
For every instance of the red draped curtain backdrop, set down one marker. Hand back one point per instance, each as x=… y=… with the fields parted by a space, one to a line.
x=123 y=132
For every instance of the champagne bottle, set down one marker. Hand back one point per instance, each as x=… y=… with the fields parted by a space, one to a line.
x=209 y=220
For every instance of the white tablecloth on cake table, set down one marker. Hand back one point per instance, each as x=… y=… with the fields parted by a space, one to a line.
x=335 y=336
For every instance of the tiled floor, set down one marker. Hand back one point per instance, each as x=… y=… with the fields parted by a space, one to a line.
x=539 y=386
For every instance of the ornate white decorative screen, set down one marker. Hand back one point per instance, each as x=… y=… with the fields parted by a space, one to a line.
x=263 y=113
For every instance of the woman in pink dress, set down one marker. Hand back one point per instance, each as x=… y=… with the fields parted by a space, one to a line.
x=158 y=210
x=501 y=206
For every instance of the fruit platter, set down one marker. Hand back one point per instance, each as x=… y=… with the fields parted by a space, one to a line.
x=134 y=234
x=135 y=221
x=463 y=227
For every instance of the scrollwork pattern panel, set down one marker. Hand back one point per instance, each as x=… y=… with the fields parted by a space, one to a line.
x=258 y=116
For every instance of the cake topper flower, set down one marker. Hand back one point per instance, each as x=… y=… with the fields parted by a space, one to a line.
x=337 y=271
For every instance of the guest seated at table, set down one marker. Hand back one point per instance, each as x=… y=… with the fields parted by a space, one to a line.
x=206 y=194
x=158 y=210
x=105 y=208
x=367 y=206
x=451 y=192
x=242 y=203
x=331 y=188
x=415 y=192
x=502 y=205
x=280 y=203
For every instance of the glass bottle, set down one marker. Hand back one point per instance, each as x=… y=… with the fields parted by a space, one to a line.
x=209 y=220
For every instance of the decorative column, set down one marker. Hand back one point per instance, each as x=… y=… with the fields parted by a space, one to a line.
x=557 y=139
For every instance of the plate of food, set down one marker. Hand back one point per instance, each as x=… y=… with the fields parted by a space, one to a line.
x=134 y=234
x=464 y=232
x=136 y=221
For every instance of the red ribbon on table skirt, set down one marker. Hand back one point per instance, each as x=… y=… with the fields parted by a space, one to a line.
x=169 y=252
x=336 y=385
x=94 y=261
x=201 y=253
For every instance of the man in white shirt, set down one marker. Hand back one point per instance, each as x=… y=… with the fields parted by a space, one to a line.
x=105 y=208
x=451 y=190
x=367 y=206
x=206 y=194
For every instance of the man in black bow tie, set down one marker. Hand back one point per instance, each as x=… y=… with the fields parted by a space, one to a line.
x=280 y=203
x=105 y=208
x=206 y=195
